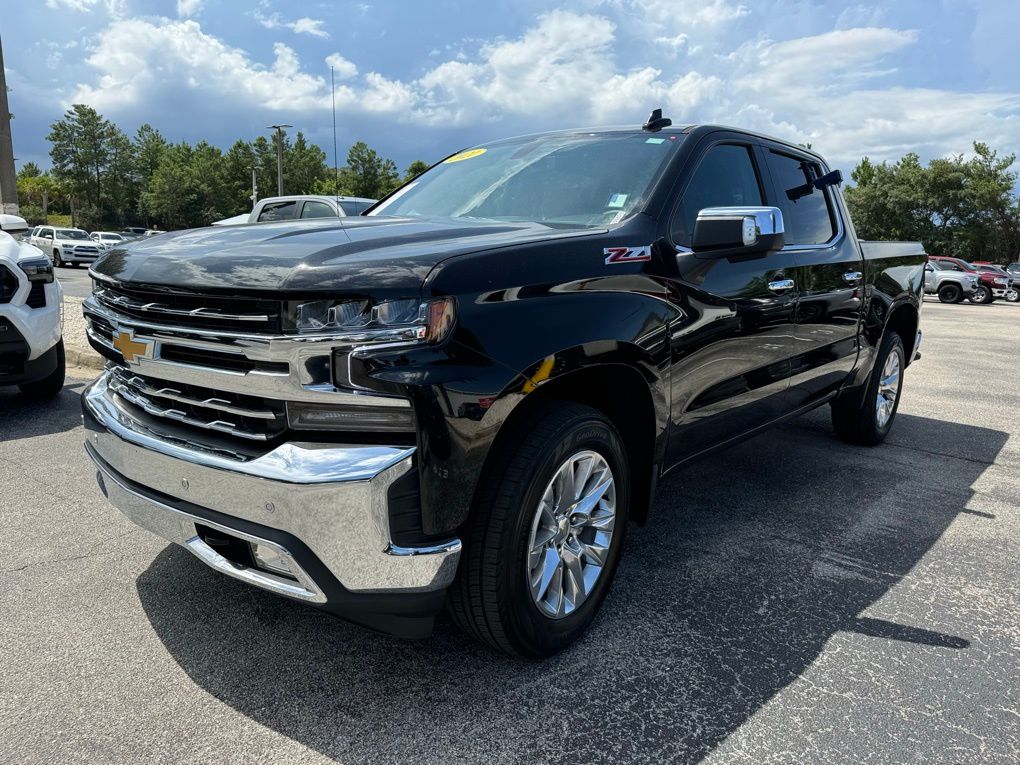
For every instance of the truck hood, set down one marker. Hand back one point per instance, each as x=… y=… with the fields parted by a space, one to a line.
x=377 y=255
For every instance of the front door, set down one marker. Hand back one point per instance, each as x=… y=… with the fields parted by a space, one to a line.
x=731 y=348
x=829 y=273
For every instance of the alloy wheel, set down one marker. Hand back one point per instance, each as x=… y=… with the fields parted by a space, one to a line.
x=888 y=390
x=571 y=534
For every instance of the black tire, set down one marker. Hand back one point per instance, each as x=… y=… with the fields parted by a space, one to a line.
x=57 y=259
x=52 y=384
x=950 y=293
x=490 y=598
x=981 y=295
x=854 y=416
x=1012 y=295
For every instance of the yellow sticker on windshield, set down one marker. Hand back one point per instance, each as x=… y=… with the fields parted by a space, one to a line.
x=469 y=154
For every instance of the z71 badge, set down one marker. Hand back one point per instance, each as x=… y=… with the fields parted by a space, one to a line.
x=627 y=254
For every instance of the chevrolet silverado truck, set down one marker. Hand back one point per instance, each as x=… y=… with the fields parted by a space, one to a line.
x=31 y=322
x=464 y=396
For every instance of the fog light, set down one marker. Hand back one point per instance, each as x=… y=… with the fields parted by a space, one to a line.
x=363 y=418
x=271 y=559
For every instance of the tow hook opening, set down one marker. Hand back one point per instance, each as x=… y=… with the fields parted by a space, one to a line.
x=244 y=554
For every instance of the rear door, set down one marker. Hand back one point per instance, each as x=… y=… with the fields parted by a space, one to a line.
x=731 y=349
x=829 y=271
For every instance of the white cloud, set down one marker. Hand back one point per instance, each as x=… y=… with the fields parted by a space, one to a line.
x=342 y=67
x=115 y=8
x=307 y=26
x=302 y=26
x=573 y=68
x=186 y=8
x=690 y=13
x=137 y=59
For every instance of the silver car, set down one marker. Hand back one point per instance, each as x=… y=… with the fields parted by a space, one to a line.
x=950 y=285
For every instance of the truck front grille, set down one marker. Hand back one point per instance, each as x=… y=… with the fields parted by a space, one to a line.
x=195 y=311
x=247 y=417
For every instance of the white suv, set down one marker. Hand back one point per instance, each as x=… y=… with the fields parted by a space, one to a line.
x=31 y=348
x=65 y=246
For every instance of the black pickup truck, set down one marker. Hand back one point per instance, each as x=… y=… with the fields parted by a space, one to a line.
x=463 y=397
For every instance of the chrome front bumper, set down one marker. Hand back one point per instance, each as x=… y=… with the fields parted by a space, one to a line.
x=333 y=499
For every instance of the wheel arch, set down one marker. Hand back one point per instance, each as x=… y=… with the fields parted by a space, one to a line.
x=630 y=397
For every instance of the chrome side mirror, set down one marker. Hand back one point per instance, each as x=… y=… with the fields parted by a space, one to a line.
x=724 y=232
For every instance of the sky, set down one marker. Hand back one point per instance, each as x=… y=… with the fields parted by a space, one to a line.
x=418 y=80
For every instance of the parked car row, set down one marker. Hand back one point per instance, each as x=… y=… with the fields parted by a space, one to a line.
x=70 y=246
x=955 y=280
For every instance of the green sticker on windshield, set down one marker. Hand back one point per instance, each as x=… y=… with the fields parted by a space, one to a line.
x=617 y=200
x=656 y=140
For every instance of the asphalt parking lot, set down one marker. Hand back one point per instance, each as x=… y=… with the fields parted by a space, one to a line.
x=794 y=600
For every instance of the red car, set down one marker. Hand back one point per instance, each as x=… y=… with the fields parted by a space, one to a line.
x=991 y=285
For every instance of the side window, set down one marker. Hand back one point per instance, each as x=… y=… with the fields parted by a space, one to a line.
x=317 y=210
x=725 y=178
x=807 y=211
x=278 y=211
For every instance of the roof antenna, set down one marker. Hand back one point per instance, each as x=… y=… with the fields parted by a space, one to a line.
x=656 y=122
x=336 y=161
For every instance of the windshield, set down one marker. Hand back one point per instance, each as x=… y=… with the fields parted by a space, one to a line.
x=71 y=233
x=587 y=179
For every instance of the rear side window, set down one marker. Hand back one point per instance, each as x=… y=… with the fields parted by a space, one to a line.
x=807 y=211
x=317 y=210
x=278 y=211
x=725 y=178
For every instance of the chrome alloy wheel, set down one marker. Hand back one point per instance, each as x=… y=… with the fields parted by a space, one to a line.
x=571 y=534
x=888 y=389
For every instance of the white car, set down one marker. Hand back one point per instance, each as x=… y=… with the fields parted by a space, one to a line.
x=108 y=238
x=65 y=246
x=299 y=207
x=31 y=300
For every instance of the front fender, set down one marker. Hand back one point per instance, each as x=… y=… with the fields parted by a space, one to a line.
x=502 y=352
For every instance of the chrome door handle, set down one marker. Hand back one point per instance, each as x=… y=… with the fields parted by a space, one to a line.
x=781 y=285
x=852 y=277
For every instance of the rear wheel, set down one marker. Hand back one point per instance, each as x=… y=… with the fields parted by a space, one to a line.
x=867 y=417
x=950 y=293
x=548 y=529
x=1012 y=295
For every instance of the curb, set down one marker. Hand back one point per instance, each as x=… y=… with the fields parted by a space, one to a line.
x=84 y=359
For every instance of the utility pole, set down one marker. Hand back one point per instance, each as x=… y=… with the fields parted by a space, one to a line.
x=254 y=189
x=8 y=181
x=279 y=156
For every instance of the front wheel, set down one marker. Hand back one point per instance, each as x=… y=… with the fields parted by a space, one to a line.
x=867 y=417
x=58 y=259
x=981 y=295
x=546 y=535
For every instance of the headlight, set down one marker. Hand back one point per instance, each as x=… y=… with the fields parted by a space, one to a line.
x=403 y=320
x=37 y=269
x=998 y=280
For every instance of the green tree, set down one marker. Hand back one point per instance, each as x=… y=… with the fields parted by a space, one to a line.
x=84 y=146
x=29 y=170
x=955 y=206
x=366 y=174
x=415 y=169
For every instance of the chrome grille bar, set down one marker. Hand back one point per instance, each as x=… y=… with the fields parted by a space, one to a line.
x=122 y=301
x=139 y=385
x=149 y=407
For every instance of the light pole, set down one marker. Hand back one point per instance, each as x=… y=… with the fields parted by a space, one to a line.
x=279 y=156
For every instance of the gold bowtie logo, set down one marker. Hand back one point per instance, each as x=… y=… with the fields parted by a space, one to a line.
x=131 y=349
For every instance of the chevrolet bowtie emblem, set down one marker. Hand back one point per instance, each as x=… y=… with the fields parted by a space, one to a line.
x=131 y=349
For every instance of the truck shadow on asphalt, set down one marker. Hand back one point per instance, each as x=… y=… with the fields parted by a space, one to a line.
x=753 y=560
x=23 y=417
